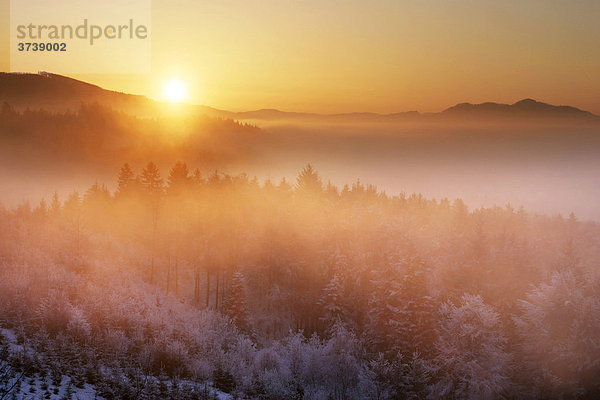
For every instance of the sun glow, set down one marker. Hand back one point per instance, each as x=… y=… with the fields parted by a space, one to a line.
x=174 y=91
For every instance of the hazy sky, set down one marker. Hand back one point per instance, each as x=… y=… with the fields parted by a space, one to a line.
x=384 y=56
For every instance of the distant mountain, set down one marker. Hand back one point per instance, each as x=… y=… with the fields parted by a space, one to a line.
x=59 y=93
x=525 y=108
x=521 y=111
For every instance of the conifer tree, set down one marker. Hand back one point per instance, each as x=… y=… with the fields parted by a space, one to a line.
x=332 y=301
x=153 y=185
x=41 y=210
x=308 y=181
x=332 y=191
x=235 y=305
x=151 y=180
x=179 y=178
x=284 y=186
x=402 y=310
x=126 y=180
x=471 y=352
x=197 y=178
x=55 y=205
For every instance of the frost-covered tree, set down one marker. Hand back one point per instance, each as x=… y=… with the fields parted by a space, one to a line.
x=559 y=325
x=471 y=361
x=344 y=355
x=401 y=315
x=332 y=301
x=152 y=183
x=235 y=304
x=385 y=310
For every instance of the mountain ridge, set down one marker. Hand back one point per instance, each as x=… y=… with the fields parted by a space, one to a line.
x=60 y=93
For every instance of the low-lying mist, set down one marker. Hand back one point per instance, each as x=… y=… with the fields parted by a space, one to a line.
x=544 y=168
x=547 y=168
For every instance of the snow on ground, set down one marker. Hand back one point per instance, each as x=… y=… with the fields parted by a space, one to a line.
x=34 y=387
x=40 y=388
x=10 y=338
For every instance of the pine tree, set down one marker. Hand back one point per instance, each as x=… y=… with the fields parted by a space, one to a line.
x=151 y=180
x=416 y=331
x=460 y=210
x=41 y=211
x=126 y=180
x=332 y=301
x=73 y=203
x=308 y=181
x=332 y=191
x=197 y=178
x=558 y=325
x=385 y=310
x=97 y=195
x=401 y=317
x=284 y=187
x=345 y=193
x=268 y=185
x=235 y=305
x=471 y=355
x=152 y=183
x=179 y=178
x=55 y=205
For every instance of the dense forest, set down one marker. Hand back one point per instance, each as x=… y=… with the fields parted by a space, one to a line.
x=193 y=285
x=96 y=136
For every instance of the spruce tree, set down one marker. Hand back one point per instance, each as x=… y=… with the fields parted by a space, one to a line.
x=179 y=178
x=235 y=305
x=55 y=205
x=332 y=301
x=308 y=181
x=126 y=180
x=151 y=180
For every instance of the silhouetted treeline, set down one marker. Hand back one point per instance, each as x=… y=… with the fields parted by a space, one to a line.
x=97 y=136
x=301 y=290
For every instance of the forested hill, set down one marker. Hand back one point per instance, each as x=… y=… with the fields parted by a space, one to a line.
x=96 y=137
x=58 y=94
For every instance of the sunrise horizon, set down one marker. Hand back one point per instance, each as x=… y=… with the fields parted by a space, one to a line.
x=164 y=98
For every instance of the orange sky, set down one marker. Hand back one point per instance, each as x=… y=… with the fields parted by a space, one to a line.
x=384 y=56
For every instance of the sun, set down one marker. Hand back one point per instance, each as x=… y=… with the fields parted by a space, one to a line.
x=174 y=91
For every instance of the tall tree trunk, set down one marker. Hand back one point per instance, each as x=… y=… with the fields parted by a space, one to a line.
x=207 y=288
x=152 y=266
x=168 y=274
x=217 y=292
x=153 y=244
x=176 y=275
x=196 y=285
